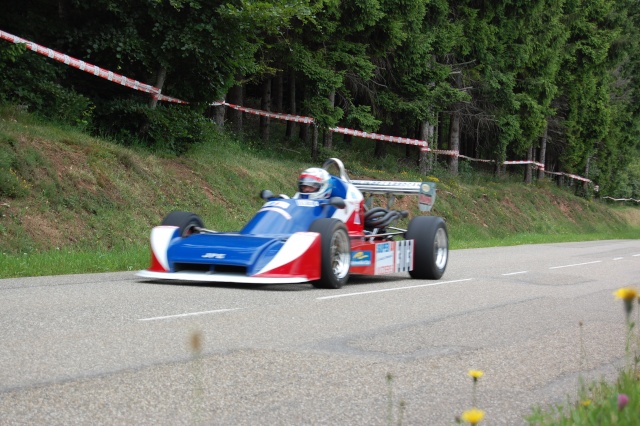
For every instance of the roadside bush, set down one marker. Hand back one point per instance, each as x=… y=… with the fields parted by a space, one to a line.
x=32 y=81
x=168 y=129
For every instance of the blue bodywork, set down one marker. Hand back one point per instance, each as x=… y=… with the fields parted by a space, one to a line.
x=255 y=244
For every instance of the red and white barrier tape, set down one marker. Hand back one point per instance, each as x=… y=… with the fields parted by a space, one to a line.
x=377 y=136
x=534 y=163
x=92 y=69
x=279 y=116
x=475 y=159
x=621 y=199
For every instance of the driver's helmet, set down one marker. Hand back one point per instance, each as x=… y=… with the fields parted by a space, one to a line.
x=314 y=184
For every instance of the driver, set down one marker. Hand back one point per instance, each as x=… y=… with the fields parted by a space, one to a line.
x=314 y=184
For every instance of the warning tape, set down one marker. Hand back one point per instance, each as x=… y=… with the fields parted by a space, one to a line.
x=279 y=116
x=377 y=136
x=446 y=152
x=89 y=68
x=534 y=163
x=475 y=159
x=621 y=199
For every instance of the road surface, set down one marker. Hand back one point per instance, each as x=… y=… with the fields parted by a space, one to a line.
x=114 y=349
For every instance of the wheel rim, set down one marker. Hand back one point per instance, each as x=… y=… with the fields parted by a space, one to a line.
x=340 y=254
x=189 y=229
x=441 y=248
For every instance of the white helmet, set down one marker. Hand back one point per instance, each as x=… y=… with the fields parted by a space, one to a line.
x=314 y=184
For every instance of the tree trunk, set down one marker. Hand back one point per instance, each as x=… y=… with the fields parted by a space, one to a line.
x=62 y=10
x=454 y=141
x=585 y=184
x=427 y=131
x=235 y=116
x=327 y=140
x=218 y=116
x=314 y=143
x=160 y=78
x=278 y=93
x=292 y=104
x=528 y=170
x=380 y=149
x=265 y=105
x=543 y=151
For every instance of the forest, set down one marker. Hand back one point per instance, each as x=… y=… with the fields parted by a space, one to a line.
x=553 y=82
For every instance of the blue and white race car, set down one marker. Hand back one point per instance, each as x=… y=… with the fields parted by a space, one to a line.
x=326 y=232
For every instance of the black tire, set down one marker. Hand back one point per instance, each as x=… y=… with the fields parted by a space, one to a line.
x=186 y=221
x=336 y=253
x=430 y=247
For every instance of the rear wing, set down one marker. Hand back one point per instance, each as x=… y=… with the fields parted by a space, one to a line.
x=426 y=191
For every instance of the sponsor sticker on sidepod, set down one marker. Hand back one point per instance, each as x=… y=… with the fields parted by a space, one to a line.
x=361 y=258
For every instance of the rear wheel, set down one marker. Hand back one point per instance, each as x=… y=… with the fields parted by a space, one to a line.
x=186 y=221
x=431 y=247
x=336 y=253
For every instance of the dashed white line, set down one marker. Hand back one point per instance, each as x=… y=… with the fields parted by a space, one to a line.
x=515 y=273
x=576 y=264
x=392 y=289
x=636 y=255
x=618 y=258
x=190 y=314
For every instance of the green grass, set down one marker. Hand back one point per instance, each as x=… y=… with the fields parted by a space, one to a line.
x=71 y=203
x=63 y=262
x=603 y=403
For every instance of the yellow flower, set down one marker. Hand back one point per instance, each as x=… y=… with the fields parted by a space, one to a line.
x=626 y=293
x=473 y=416
x=585 y=402
x=476 y=374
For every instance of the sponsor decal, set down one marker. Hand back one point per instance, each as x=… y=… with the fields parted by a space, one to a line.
x=214 y=255
x=385 y=258
x=427 y=196
x=307 y=203
x=361 y=258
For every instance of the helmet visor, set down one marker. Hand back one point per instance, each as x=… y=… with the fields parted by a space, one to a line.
x=308 y=184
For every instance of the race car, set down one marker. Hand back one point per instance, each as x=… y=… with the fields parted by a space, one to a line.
x=322 y=236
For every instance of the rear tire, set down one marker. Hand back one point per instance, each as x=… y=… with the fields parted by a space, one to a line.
x=335 y=252
x=430 y=247
x=186 y=221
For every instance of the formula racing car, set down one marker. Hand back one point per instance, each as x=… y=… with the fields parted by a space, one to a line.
x=326 y=232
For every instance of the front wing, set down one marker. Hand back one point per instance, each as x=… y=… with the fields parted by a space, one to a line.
x=298 y=260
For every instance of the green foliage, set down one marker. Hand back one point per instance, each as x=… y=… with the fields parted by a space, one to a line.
x=33 y=81
x=168 y=129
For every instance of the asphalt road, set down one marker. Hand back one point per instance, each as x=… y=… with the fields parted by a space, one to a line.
x=116 y=350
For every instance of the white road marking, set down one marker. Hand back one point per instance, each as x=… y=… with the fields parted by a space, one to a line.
x=618 y=258
x=576 y=264
x=636 y=255
x=187 y=314
x=392 y=289
x=515 y=273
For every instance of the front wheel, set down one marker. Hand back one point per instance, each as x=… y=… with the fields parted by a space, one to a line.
x=186 y=221
x=430 y=247
x=335 y=252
